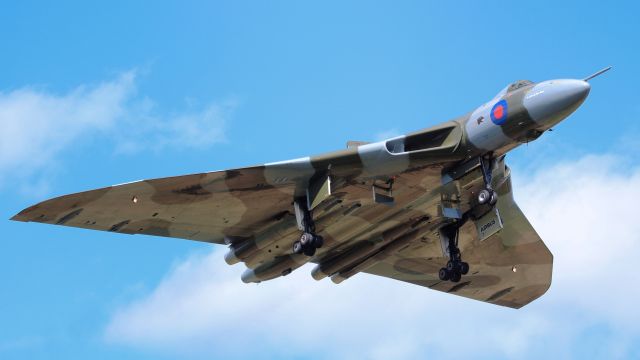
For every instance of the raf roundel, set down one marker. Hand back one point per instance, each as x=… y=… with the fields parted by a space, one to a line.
x=499 y=112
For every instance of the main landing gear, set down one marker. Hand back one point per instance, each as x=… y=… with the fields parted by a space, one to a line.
x=455 y=266
x=486 y=199
x=309 y=240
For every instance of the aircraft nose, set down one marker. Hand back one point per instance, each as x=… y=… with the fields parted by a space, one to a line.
x=551 y=101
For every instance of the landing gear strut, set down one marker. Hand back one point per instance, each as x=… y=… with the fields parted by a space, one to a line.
x=309 y=240
x=487 y=195
x=455 y=266
x=486 y=199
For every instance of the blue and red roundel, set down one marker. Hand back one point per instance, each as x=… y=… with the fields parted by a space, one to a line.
x=499 y=112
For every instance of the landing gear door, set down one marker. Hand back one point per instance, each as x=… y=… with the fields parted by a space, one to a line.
x=489 y=224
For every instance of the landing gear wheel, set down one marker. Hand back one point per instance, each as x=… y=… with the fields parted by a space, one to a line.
x=307 y=239
x=451 y=266
x=443 y=274
x=455 y=267
x=494 y=198
x=318 y=241
x=308 y=244
x=464 y=268
x=484 y=196
x=309 y=250
x=297 y=247
x=487 y=195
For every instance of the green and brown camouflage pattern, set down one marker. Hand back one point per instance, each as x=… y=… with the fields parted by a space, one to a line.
x=251 y=209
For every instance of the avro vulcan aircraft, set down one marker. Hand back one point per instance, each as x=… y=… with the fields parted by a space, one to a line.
x=433 y=208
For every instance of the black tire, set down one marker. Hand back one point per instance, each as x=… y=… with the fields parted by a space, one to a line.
x=309 y=250
x=494 y=198
x=451 y=266
x=297 y=247
x=306 y=239
x=464 y=268
x=484 y=196
x=455 y=277
x=318 y=241
x=443 y=274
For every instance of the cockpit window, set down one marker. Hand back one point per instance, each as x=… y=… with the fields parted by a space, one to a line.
x=513 y=87
x=518 y=84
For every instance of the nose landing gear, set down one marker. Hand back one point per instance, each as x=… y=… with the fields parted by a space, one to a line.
x=487 y=195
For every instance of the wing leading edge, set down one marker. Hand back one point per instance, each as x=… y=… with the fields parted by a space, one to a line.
x=203 y=207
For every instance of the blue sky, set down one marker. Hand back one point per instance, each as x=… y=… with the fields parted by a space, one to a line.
x=100 y=94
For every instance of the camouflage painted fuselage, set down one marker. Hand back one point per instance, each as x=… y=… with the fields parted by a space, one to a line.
x=434 y=172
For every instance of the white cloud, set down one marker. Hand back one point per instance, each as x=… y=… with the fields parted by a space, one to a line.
x=37 y=125
x=387 y=134
x=195 y=129
x=587 y=211
x=584 y=210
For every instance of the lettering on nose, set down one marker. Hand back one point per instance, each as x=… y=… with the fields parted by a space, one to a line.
x=534 y=94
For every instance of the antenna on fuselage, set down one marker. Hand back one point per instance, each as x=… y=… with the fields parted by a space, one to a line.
x=597 y=74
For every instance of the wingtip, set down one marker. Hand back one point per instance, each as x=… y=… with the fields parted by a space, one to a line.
x=20 y=216
x=24 y=215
